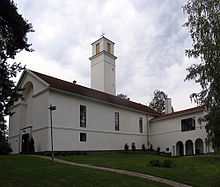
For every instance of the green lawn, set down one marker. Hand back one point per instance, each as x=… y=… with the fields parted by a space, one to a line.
x=24 y=170
x=196 y=171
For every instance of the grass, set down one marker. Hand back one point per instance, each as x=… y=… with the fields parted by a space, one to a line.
x=24 y=170
x=196 y=171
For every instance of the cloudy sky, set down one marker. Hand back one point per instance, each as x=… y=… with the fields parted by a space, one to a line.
x=149 y=43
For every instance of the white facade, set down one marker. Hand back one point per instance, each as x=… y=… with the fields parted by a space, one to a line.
x=100 y=122
x=91 y=120
x=168 y=134
x=100 y=125
x=30 y=115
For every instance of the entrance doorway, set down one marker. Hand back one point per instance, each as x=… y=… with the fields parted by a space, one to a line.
x=25 y=142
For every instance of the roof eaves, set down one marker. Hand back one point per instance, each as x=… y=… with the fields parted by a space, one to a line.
x=103 y=52
x=95 y=94
x=177 y=114
x=101 y=38
x=38 y=78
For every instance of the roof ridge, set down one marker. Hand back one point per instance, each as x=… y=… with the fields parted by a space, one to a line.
x=197 y=108
x=186 y=110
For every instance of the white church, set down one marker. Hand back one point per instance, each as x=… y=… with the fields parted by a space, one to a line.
x=95 y=119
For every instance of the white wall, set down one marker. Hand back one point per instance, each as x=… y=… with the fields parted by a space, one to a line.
x=166 y=133
x=37 y=85
x=103 y=74
x=40 y=124
x=97 y=74
x=32 y=111
x=100 y=129
x=103 y=67
x=16 y=122
x=109 y=78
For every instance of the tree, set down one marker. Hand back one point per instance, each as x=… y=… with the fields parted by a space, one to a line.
x=158 y=101
x=123 y=96
x=13 y=39
x=204 y=25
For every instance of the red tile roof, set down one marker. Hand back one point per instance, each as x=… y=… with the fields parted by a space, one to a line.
x=91 y=93
x=194 y=109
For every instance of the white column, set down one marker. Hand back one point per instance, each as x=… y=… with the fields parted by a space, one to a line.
x=194 y=148
x=173 y=151
x=204 y=147
x=184 y=149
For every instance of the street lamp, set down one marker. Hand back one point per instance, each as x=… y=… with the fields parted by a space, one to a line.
x=52 y=108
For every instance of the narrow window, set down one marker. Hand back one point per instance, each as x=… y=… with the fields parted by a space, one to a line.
x=108 y=48
x=141 y=125
x=97 y=48
x=167 y=149
x=82 y=116
x=82 y=137
x=188 y=124
x=116 y=121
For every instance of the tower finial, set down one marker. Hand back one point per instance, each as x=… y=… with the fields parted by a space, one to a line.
x=103 y=33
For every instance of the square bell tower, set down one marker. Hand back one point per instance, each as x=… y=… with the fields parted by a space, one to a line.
x=103 y=66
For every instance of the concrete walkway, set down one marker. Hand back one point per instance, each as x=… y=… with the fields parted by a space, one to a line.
x=131 y=173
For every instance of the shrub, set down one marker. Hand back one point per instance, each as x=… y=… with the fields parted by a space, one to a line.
x=31 y=145
x=84 y=153
x=133 y=147
x=5 y=147
x=167 y=163
x=151 y=147
x=155 y=163
x=62 y=153
x=78 y=152
x=126 y=147
x=45 y=153
x=143 y=148
x=68 y=153
x=158 y=150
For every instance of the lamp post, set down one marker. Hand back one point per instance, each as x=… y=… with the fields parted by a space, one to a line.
x=52 y=108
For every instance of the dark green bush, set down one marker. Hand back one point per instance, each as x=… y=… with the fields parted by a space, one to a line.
x=158 y=150
x=84 y=153
x=46 y=153
x=155 y=163
x=167 y=163
x=62 y=153
x=5 y=148
x=126 y=147
x=78 y=152
x=133 y=147
x=143 y=148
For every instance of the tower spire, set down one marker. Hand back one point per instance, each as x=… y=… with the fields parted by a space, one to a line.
x=103 y=33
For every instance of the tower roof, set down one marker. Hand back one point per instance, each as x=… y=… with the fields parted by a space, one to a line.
x=102 y=38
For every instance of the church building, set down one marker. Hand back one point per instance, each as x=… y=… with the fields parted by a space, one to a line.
x=95 y=119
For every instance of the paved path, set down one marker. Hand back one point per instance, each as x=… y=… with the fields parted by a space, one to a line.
x=150 y=177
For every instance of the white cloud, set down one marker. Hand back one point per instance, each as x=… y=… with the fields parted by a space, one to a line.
x=148 y=35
